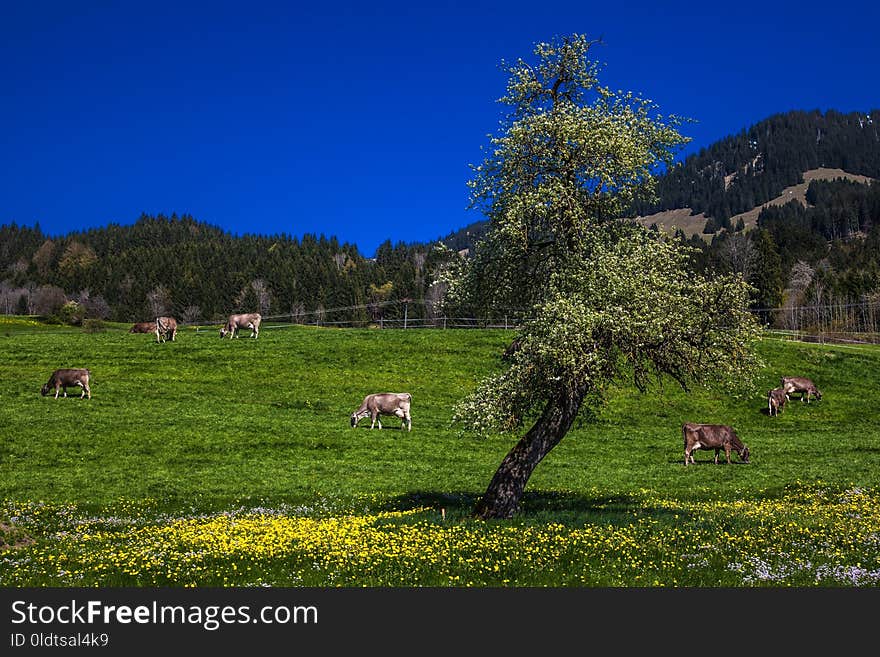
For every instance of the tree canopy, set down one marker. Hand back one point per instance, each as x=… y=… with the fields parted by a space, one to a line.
x=601 y=297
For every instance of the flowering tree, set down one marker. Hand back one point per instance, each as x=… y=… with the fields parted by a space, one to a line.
x=602 y=298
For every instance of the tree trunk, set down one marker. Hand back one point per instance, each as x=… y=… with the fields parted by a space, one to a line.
x=502 y=497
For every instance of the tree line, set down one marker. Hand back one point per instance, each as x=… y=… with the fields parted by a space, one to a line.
x=176 y=265
x=824 y=253
x=825 y=256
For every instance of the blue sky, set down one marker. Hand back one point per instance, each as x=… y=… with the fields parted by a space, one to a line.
x=359 y=120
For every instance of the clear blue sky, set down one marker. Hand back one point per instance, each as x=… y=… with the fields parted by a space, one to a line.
x=354 y=119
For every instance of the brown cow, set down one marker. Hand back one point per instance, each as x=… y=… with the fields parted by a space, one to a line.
x=384 y=403
x=805 y=387
x=712 y=436
x=143 y=327
x=776 y=399
x=242 y=321
x=67 y=378
x=165 y=326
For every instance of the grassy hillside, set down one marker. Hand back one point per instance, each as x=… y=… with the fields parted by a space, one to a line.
x=693 y=223
x=202 y=429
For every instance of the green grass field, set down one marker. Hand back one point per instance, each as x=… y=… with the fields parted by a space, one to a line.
x=209 y=462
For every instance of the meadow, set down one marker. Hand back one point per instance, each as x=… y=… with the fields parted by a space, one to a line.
x=209 y=462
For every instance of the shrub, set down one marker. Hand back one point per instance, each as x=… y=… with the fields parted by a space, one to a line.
x=94 y=325
x=72 y=313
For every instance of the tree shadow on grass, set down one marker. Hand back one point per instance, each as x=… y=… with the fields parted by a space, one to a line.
x=535 y=507
x=722 y=460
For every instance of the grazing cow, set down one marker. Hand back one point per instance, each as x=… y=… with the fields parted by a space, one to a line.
x=805 y=387
x=244 y=321
x=165 y=326
x=143 y=327
x=776 y=399
x=67 y=378
x=712 y=436
x=384 y=403
x=511 y=350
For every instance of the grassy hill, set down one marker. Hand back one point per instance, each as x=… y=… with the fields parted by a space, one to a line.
x=246 y=445
x=692 y=223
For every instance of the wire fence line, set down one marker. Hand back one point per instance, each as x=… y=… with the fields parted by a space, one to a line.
x=839 y=323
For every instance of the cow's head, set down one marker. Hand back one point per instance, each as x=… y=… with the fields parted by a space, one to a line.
x=45 y=389
x=744 y=455
x=223 y=332
x=354 y=419
x=818 y=394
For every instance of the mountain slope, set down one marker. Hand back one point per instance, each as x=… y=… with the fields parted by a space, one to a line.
x=767 y=164
x=746 y=170
x=691 y=223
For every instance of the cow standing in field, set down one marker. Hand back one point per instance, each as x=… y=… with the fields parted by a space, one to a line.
x=384 y=403
x=776 y=399
x=712 y=436
x=65 y=378
x=165 y=326
x=143 y=327
x=243 y=321
x=799 y=384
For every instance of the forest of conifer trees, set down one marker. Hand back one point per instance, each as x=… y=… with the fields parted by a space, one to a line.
x=177 y=265
x=813 y=266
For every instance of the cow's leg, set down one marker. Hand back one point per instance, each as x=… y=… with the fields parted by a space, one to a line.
x=58 y=390
x=727 y=451
x=716 y=455
x=408 y=422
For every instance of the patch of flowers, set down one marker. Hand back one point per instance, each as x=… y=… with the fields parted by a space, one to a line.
x=810 y=536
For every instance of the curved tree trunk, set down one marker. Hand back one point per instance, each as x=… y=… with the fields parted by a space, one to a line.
x=502 y=497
